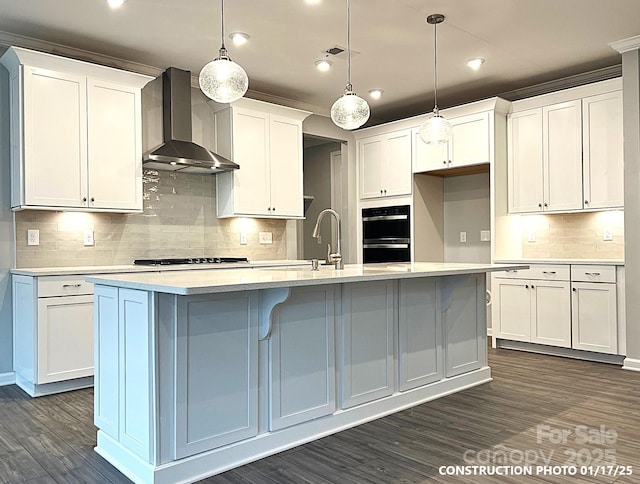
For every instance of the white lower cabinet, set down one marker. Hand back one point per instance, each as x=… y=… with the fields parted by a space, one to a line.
x=594 y=309
x=302 y=357
x=366 y=360
x=419 y=333
x=580 y=312
x=53 y=333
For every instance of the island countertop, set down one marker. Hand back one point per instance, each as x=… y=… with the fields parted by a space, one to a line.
x=214 y=281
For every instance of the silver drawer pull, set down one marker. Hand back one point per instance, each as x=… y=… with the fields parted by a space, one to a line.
x=548 y=272
x=512 y=270
x=591 y=273
x=72 y=285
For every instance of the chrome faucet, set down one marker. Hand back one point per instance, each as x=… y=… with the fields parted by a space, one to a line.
x=336 y=257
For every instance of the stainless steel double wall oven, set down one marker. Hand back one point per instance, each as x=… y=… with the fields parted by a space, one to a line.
x=386 y=234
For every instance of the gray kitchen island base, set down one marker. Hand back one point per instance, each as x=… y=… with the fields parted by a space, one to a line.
x=190 y=385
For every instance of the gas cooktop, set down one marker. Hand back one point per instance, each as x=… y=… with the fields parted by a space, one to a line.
x=190 y=260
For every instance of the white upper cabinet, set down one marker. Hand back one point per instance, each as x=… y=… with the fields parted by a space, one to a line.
x=566 y=156
x=385 y=164
x=266 y=141
x=470 y=144
x=76 y=134
x=602 y=147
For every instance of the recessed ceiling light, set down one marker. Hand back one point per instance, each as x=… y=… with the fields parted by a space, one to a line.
x=239 y=38
x=323 y=65
x=116 y=3
x=375 y=93
x=312 y=2
x=475 y=63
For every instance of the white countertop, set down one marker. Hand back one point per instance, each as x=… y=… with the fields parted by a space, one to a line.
x=92 y=270
x=187 y=282
x=613 y=262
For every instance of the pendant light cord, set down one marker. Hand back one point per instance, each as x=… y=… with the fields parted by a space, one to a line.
x=349 y=45
x=435 y=68
x=222 y=20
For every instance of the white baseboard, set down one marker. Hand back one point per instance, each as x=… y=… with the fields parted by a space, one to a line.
x=490 y=332
x=8 y=378
x=631 y=364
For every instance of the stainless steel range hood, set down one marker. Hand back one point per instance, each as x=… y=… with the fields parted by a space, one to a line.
x=178 y=152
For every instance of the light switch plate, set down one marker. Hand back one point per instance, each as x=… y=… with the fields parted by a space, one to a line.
x=243 y=238
x=607 y=233
x=531 y=236
x=485 y=235
x=88 y=237
x=463 y=237
x=33 y=237
x=266 y=237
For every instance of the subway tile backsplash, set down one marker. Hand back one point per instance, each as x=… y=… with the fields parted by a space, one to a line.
x=574 y=235
x=179 y=220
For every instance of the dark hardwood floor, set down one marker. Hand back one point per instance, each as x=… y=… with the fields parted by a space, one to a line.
x=51 y=439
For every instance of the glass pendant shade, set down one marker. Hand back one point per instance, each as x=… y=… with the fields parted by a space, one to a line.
x=350 y=111
x=223 y=80
x=435 y=130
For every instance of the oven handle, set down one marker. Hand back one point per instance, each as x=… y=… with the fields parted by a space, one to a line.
x=385 y=217
x=385 y=246
x=387 y=240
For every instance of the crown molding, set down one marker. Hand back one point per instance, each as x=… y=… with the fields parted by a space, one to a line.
x=626 y=45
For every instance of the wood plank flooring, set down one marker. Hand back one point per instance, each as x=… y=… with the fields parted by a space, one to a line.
x=51 y=439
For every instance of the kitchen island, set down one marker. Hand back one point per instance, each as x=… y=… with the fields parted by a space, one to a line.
x=198 y=372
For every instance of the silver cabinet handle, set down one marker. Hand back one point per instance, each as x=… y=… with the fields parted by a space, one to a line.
x=591 y=273
x=548 y=272
x=512 y=270
x=72 y=285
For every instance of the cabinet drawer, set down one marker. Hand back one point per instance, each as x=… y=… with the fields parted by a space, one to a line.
x=50 y=286
x=551 y=272
x=593 y=273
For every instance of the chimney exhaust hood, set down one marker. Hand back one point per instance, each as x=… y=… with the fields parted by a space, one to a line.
x=179 y=152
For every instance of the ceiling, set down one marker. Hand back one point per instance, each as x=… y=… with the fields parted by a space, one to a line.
x=524 y=42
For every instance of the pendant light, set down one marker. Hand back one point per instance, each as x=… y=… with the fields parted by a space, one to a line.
x=436 y=129
x=349 y=111
x=223 y=80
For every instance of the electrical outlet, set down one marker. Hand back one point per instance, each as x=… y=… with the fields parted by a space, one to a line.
x=266 y=237
x=463 y=237
x=607 y=233
x=243 y=238
x=531 y=236
x=33 y=237
x=485 y=235
x=88 y=237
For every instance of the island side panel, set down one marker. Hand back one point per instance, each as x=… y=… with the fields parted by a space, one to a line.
x=464 y=315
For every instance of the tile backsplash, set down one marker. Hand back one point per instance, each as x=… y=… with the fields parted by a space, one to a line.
x=573 y=235
x=179 y=220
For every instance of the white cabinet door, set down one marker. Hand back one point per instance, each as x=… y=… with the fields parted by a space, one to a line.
x=114 y=146
x=419 y=333
x=464 y=317
x=594 y=317
x=562 y=156
x=603 y=151
x=397 y=171
x=65 y=338
x=55 y=137
x=367 y=342
x=216 y=371
x=524 y=133
x=252 y=182
x=551 y=313
x=512 y=309
x=428 y=157
x=301 y=357
x=285 y=147
x=372 y=166
x=470 y=140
